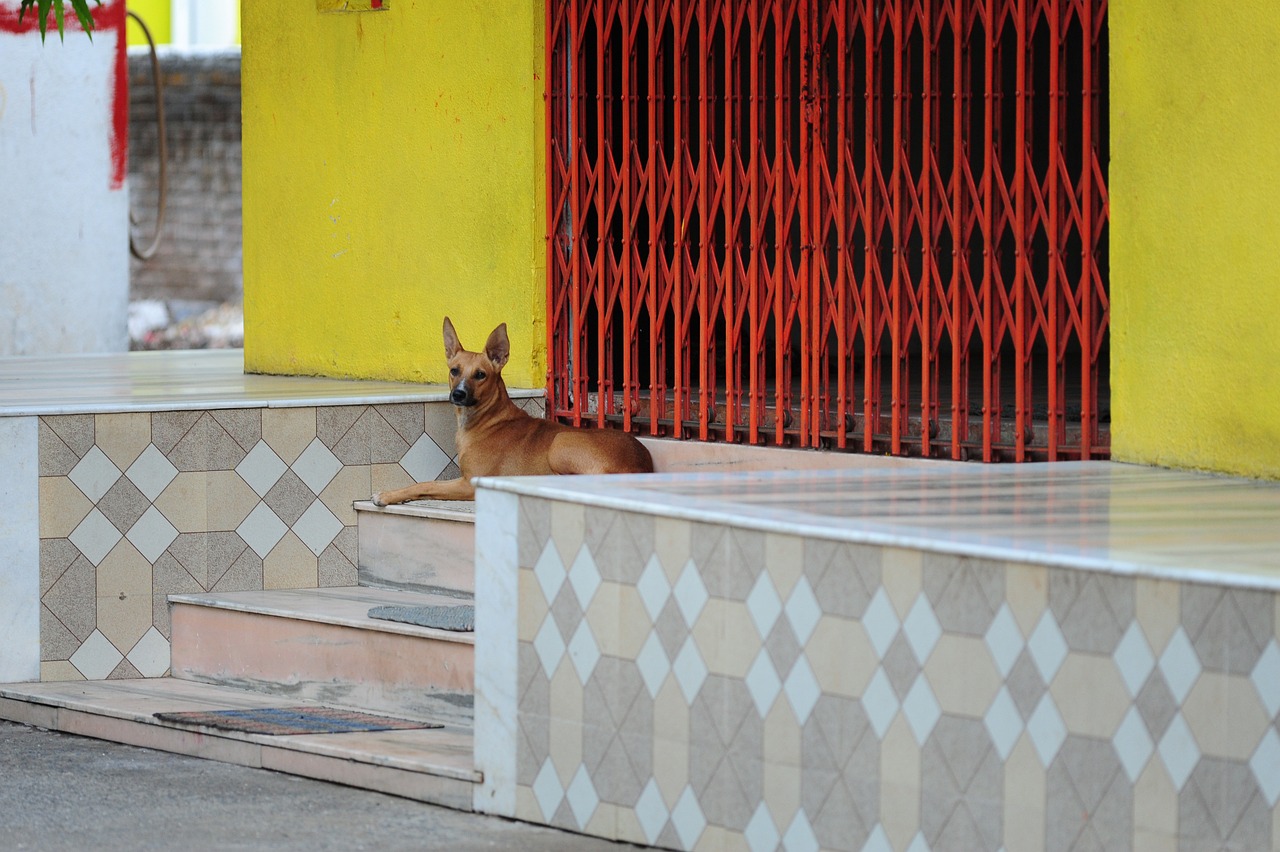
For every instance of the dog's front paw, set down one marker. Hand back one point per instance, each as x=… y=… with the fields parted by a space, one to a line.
x=378 y=500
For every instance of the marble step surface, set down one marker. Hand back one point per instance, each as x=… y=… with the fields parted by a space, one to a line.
x=429 y=765
x=427 y=546
x=321 y=645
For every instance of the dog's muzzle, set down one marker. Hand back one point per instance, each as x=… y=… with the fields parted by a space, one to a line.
x=460 y=396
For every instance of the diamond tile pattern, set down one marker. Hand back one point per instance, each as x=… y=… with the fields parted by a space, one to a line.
x=205 y=500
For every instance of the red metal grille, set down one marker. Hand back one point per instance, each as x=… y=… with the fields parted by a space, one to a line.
x=877 y=225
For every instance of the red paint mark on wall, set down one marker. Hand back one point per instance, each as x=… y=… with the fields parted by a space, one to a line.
x=107 y=18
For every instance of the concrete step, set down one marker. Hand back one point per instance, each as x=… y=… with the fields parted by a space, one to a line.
x=321 y=645
x=428 y=546
x=429 y=765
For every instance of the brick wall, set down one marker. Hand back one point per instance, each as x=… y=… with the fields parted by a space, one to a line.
x=200 y=254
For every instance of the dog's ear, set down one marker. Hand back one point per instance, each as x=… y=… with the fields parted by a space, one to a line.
x=452 y=346
x=497 y=347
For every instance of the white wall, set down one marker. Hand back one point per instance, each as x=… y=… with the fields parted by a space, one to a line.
x=64 y=263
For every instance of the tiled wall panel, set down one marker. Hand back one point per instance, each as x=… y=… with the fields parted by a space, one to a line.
x=703 y=687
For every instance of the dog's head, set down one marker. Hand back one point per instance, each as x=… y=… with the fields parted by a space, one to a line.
x=475 y=376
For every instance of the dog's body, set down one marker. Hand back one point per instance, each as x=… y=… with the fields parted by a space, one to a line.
x=497 y=438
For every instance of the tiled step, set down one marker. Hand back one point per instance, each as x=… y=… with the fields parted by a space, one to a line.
x=429 y=546
x=429 y=765
x=321 y=645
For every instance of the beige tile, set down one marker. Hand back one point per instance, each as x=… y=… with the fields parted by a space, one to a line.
x=62 y=506
x=671 y=542
x=602 y=616
x=124 y=596
x=708 y=633
x=185 y=502
x=902 y=578
x=963 y=676
x=527 y=807
x=633 y=623
x=1155 y=810
x=290 y=565
x=288 y=431
x=385 y=477
x=532 y=607
x=230 y=499
x=352 y=483
x=566 y=721
x=1024 y=798
x=59 y=670
x=841 y=656
x=604 y=822
x=1026 y=590
x=900 y=784
x=782 y=785
x=716 y=838
x=1157 y=606
x=568 y=528
x=784 y=558
x=1225 y=715
x=1090 y=695
x=441 y=421
x=782 y=761
x=628 y=828
x=122 y=437
x=739 y=641
x=670 y=742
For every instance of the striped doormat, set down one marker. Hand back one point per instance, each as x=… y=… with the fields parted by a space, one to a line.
x=281 y=721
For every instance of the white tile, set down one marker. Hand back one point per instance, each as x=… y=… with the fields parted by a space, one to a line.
x=1047 y=730
x=425 y=460
x=549 y=571
x=687 y=818
x=1048 y=648
x=877 y=841
x=922 y=629
x=763 y=604
x=803 y=610
x=1134 y=659
x=317 y=528
x=690 y=670
x=584 y=652
x=582 y=796
x=1003 y=723
x=880 y=702
x=763 y=682
x=584 y=577
x=921 y=709
x=20 y=544
x=94 y=474
x=1266 y=678
x=802 y=689
x=261 y=468
x=150 y=656
x=1004 y=640
x=653 y=664
x=316 y=467
x=262 y=529
x=653 y=587
x=95 y=536
x=690 y=593
x=761 y=834
x=1265 y=764
x=1133 y=744
x=152 y=534
x=881 y=622
x=1180 y=665
x=800 y=836
x=97 y=657
x=918 y=843
x=549 y=644
x=151 y=472
x=547 y=790
x=651 y=811
x=1179 y=751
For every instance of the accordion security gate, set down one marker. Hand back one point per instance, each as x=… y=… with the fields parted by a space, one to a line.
x=875 y=225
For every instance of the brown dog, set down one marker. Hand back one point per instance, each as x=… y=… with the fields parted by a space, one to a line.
x=498 y=438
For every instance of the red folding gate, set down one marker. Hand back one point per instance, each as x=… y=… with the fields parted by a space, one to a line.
x=859 y=224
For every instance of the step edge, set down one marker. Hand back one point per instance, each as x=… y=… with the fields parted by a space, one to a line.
x=415 y=510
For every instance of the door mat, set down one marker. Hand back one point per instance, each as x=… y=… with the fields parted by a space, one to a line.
x=460 y=618
x=280 y=721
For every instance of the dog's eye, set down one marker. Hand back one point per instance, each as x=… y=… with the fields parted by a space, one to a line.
x=480 y=375
x=453 y=371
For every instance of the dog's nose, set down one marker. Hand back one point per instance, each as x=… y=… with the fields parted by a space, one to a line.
x=458 y=396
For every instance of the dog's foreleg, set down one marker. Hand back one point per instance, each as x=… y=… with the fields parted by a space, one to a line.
x=448 y=489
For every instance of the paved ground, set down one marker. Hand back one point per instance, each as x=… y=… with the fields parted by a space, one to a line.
x=67 y=793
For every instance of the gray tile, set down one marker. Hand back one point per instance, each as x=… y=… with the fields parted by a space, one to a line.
x=207 y=556
x=355 y=445
x=243 y=425
x=335 y=569
x=451 y=471
x=56 y=641
x=840 y=789
x=245 y=574
x=54 y=457
x=532 y=737
x=844 y=577
x=567 y=611
x=386 y=444
x=783 y=647
x=671 y=629
x=962 y=787
x=726 y=752
x=533 y=715
x=125 y=670
x=73 y=599
x=123 y=504
x=1093 y=610
x=75 y=430
x=289 y=498
x=620 y=543
x=1228 y=627
x=1089 y=798
x=534 y=529
x=1220 y=808
x=56 y=556
x=206 y=446
x=1156 y=705
x=334 y=421
x=744 y=562
x=169 y=577
x=709 y=550
x=170 y=427
x=347 y=543
x=616 y=779
x=406 y=418
x=442 y=425
x=900 y=665
x=965 y=593
x=1026 y=686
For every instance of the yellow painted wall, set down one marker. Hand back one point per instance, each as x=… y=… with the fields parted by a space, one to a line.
x=392 y=176
x=156 y=15
x=1195 y=234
